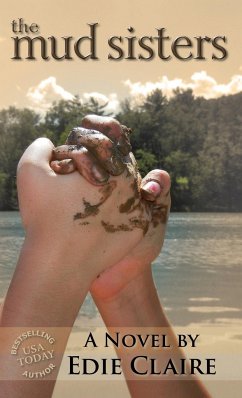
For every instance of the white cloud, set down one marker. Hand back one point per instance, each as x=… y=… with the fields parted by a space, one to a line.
x=167 y=86
x=111 y=100
x=207 y=87
x=200 y=83
x=45 y=93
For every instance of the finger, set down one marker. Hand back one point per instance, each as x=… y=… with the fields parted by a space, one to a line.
x=39 y=154
x=65 y=166
x=110 y=127
x=83 y=161
x=101 y=147
x=155 y=185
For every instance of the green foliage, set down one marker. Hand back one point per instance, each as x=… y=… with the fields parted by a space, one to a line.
x=18 y=128
x=146 y=161
x=198 y=141
x=61 y=118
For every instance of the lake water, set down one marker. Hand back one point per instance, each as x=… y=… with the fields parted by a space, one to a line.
x=198 y=274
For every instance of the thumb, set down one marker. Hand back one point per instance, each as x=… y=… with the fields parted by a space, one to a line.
x=39 y=154
x=154 y=184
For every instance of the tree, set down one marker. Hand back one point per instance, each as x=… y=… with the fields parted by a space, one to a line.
x=66 y=114
x=146 y=161
x=62 y=117
x=18 y=128
x=198 y=141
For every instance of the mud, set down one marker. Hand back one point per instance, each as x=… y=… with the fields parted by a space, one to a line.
x=100 y=145
x=160 y=215
x=114 y=228
x=133 y=223
x=93 y=210
x=127 y=206
x=115 y=156
x=90 y=210
x=140 y=223
x=118 y=134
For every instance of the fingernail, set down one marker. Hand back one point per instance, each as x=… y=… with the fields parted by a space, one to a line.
x=99 y=174
x=151 y=190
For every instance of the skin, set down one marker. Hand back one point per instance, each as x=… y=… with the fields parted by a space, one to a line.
x=109 y=150
x=59 y=255
x=86 y=201
x=125 y=293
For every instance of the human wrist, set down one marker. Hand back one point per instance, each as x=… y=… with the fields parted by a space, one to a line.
x=47 y=281
x=44 y=296
x=137 y=304
x=136 y=290
x=63 y=246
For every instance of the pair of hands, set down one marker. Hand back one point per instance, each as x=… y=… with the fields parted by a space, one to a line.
x=99 y=229
x=104 y=216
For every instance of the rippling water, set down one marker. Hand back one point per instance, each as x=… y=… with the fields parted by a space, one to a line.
x=198 y=274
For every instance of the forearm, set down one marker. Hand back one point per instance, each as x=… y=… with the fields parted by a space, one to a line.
x=45 y=294
x=135 y=308
x=137 y=305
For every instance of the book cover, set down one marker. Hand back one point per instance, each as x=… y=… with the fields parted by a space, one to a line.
x=172 y=72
